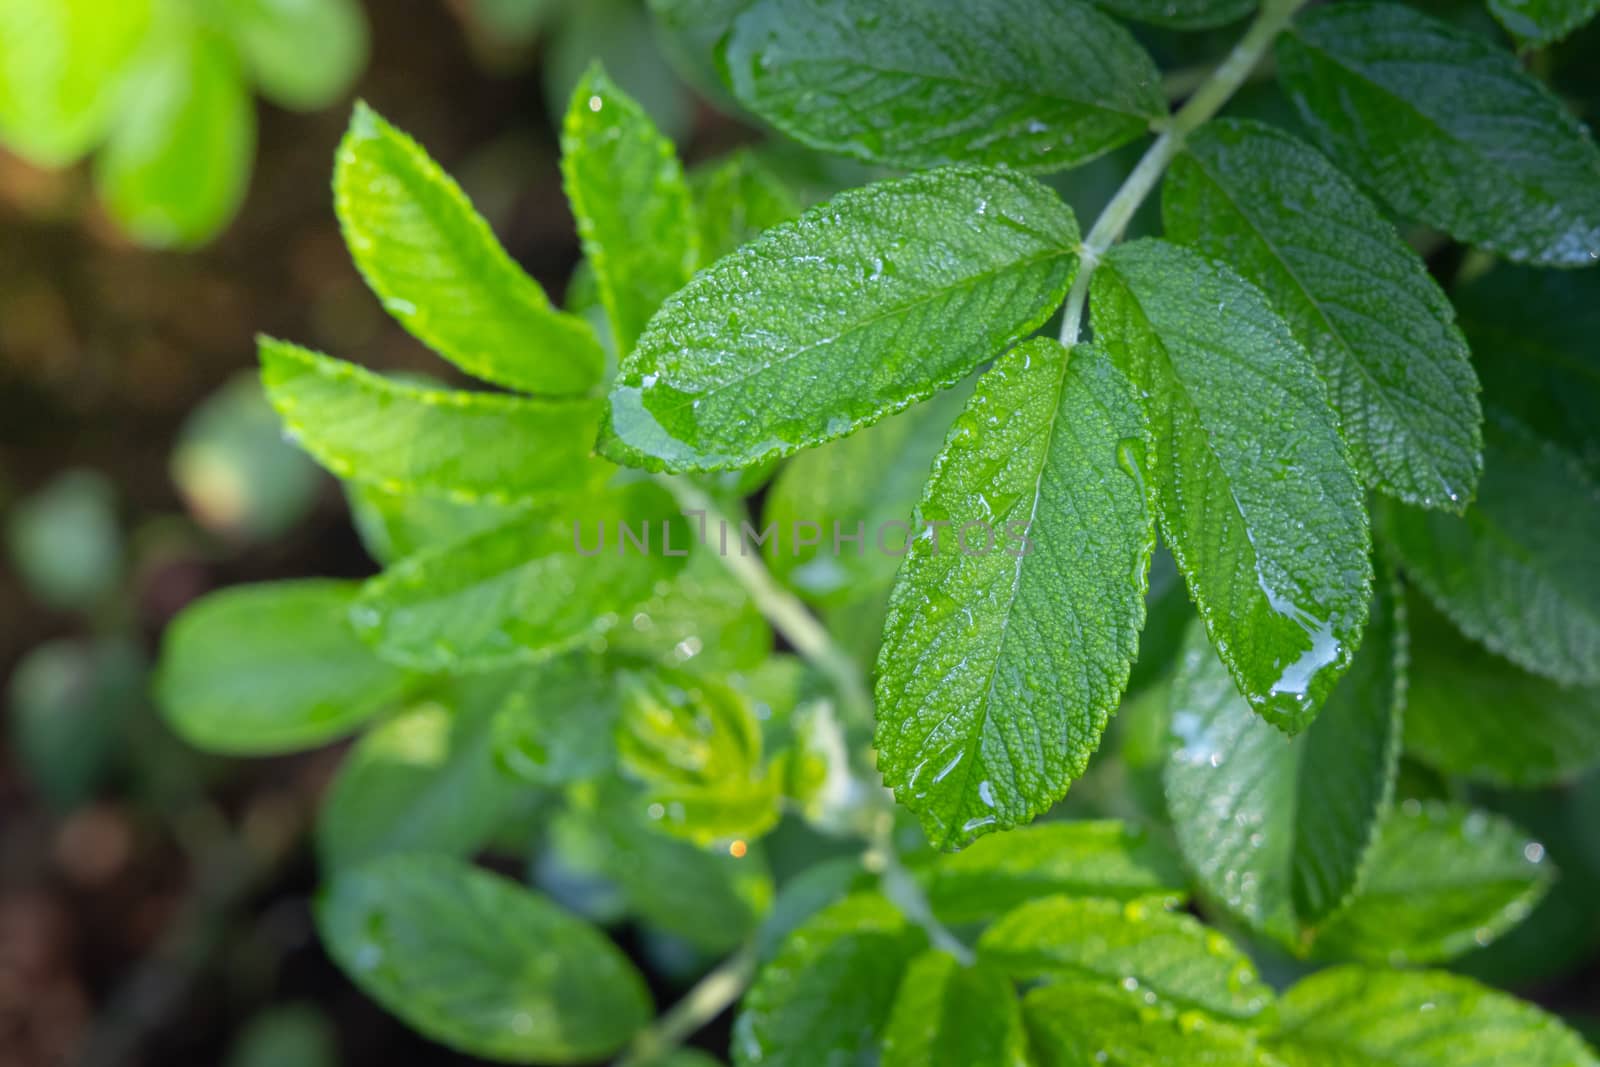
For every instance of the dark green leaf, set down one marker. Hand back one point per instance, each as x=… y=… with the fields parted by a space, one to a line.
x=259 y=669
x=556 y=724
x=479 y=963
x=438 y=269
x=1248 y=460
x=1180 y=14
x=949 y=1014
x=631 y=201
x=1535 y=23
x=408 y=439
x=1032 y=84
x=859 y=308
x=1007 y=650
x=1378 y=327
x=1074 y=1024
x=1172 y=958
x=1448 y=129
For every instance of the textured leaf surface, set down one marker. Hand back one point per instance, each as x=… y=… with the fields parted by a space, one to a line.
x=1349 y=1016
x=522 y=591
x=477 y=962
x=1473 y=714
x=948 y=1014
x=826 y=997
x=1532 y=334
x=1517 y=571
x=1169 y=956
x=1277 y=831
x=1091 y=859
x=1360 y=301
x=735 y=199
x=175 y=166
x=1023 y=83
x=631 y=202
x=259 y=669
x=1073 y=1024
x=1180 y=14
x=301 y=55
x=859 y=308
x=1440 y=880
x=1248 y=459
x=437 y=267
x=421 y=781
x=1006 y=653
x=408 y=439
x=1540 y=22
x=1448 y=129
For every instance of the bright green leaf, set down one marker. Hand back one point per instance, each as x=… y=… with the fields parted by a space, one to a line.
x=631 y=201
x=1517 y=571
x=1440 y=881
x=408 y=439
x=1349 y=1015
x=395 y=526
x=735 y=200
x=702 y=617
x=1359 y=300
x=302 y=54
x=1074 y=1024
x=1248 y=461
x=1448 y=128
x=1007 y=651
x=479 y=963
x=1171 y=958
x=438 y=269
x=260 y=669
x=949 y=1014
x=1033 y=84
x=537 y=586
x=859 y=308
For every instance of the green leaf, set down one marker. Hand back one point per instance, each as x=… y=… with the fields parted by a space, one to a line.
x=864 y=483
x=1006 y=652
x=395 y=526
x=61 y=66
x=827 y=996
x=1440 y=880
x=1032 y=84
x=703 y=617
x=1090 y=859
x=1448 y=129
x=1073 y=1024
x=1248 y=458
x=470 y=447
x=948 y=1014
x=1171 y=958
x=1180 y=14
x=261 y=669
x=859 y=308
x=735 y=200
x=1350 y=1015
x=176 y=164
x=422 y=781
x=438 y=269
x=1360 y=301
x=1476 y=716
x=537 y=586
x=1516 y=572
x=302 y=54
x=556 y=725
x=1532 y=334
x=1536 y=23
x=631 y=201
x=479 y=963
x=1278 y=832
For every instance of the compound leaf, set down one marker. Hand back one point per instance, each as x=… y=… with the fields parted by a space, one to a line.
x=409 y=439
x=1032 y=84
x=1248 y=459
x=261 y=669
x=438 y=269
x=948 y=1014
x=1447 y=128
x=479 y=963
x=1350 y=1015
x=857 y=309
x=1005 y=653
x=1360 y=301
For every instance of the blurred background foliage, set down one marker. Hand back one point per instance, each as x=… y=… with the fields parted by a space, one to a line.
x=164 y=172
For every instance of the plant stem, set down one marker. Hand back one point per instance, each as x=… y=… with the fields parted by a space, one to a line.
x=709 y=998
x=783 y=609
x=1208 y=97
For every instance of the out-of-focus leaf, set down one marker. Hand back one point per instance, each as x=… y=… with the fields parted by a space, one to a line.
x=302 y=54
